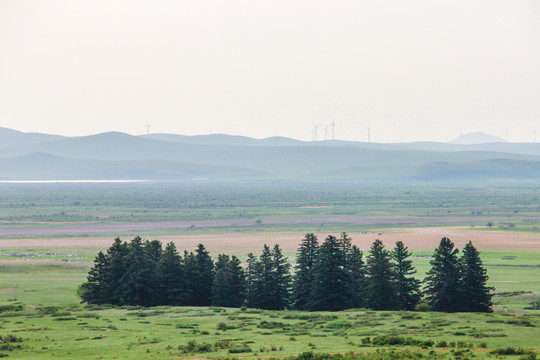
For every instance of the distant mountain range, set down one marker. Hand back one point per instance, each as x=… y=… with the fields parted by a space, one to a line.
x=476 y=138
x=219 y=157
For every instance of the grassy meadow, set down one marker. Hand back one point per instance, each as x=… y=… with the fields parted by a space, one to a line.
x=41 y=316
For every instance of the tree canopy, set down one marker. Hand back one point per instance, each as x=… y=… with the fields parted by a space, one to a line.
x=331 y=276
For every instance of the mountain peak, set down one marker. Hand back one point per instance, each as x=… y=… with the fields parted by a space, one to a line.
x=476 y=138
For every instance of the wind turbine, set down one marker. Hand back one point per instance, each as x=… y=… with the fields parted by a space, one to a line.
x=147 y=129
x=369 y=134
x=325 y=130
x=333 y=124
x=315 y=131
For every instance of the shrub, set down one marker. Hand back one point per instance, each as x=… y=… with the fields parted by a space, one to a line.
x=400 y=340
x=237 y=350
x=422 y=307
x=508 y=351
x=193 y=347
x=270 y=325
x=10 y=339
x=223 y=326
x=6 y=308
x=338 y=325
x=535 y=305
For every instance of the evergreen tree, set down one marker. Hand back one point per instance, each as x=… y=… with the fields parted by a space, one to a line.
x=153 y=249
x=407 y=287
x=264 y=276
x=303 y=277
x=229 y=282
x=251 y=280
x=345 y=243
x=381 y=292
x=116 y=269
x=204 y=277
x=190 y=271
x=221 y=290
x=93 y=291
x=281 y=280
x=442 y=281
x=331 y=279
x=475 y=294
x=138 y=283
x=171 y=278
x=357 y=277
x=237 y=283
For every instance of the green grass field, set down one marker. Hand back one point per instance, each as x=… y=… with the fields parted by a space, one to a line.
x=39 y=306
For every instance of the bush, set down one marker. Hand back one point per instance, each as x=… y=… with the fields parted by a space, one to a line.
x=5 y=308
x=270 y=325
x=237 y=350
x=400 y=340
x=223 y=326
x=535 y=305
x=193 y=347
x=10 y=339
x=422 y=307
x=508 y=351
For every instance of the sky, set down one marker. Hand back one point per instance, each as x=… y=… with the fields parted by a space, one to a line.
x=406 y=70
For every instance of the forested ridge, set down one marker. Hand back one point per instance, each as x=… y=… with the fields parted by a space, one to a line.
x=331 y=276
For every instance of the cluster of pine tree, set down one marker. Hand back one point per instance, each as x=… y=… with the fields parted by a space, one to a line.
x=331 y=276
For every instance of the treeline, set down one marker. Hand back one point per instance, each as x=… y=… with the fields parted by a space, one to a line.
x=330 y=276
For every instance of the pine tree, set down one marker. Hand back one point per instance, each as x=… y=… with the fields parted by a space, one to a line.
x=116 y=269
x=237 y=283
x=221 y=290
x=264 y=276
x=442 y=281
x=475 y=294
x=331 y=279
x=204 y=277
x=407 y=287
x=381 y=292
x=229 y=286
x=251 y=278
x=93 y=291
x=138 y=283
x=171 y=278
x=303 y=277
x=153 y=249
x=281 y=280
x=357 y=277
x=345 y=242
x=190 y=271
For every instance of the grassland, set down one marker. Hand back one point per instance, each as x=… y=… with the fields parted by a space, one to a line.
x=514 y=208
x=39 y=305
x=39 y=274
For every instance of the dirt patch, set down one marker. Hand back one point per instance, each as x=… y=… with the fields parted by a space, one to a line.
x=243 y=243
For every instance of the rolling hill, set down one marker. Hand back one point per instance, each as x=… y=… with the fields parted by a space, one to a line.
x=115 y=155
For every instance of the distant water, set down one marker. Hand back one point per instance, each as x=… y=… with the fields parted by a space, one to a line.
x=67 y=181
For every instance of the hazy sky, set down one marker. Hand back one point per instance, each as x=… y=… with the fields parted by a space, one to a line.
x=409 y=70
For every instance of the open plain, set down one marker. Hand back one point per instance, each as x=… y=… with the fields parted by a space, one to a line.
x=49 y=238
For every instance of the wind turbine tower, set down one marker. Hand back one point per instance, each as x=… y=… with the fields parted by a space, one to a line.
x=333 y=124
x=369 y=134
x=325 y=130
x=315 y=131
x=147 y=129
